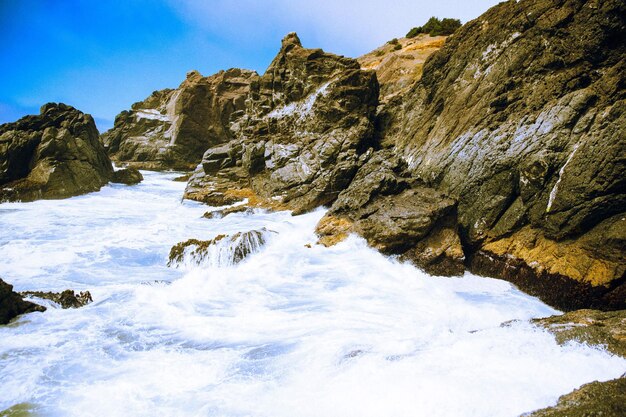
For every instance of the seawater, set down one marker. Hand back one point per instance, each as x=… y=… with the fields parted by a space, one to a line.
x=291 y=331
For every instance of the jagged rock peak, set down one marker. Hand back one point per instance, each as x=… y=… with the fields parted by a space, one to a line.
x=194 y=75
x=290 y=40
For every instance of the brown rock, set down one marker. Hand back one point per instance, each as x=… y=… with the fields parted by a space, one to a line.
x=56 y=154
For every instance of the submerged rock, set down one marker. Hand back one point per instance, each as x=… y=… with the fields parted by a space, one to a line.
x=12 y=304
x=56 y=154
x=66 y=299
x=128 y=176
x=599 y=328
x=597 y=399
x=602 y=328
x=223 y=250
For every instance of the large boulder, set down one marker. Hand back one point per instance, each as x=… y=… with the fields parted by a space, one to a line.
x=12 y=304
x=173 y=128
x=307 y=121
x=56 y=154
x=520 y=119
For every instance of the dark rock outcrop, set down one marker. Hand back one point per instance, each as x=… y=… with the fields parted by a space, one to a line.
x=306 y=123
x=66 y=299
x=128 y=176
x=12 y=304
x=173 y=128
x=56 y=154
x=520 y=119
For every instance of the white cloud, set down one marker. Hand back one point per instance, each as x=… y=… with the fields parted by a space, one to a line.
x=342 y=26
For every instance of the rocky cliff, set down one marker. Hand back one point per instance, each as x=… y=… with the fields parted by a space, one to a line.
x=302 y=136
x=173 y=128
x=518 y=123
x=56 y=154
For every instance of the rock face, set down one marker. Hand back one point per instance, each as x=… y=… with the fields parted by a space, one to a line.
x=173 y=128
x=519 y=119
x=12 y=305
x=307 y=122
x=56 y=154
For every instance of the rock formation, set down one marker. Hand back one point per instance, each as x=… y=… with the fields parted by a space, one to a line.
x=519 y=119
x=300 y=140
x=12 y=304
x=222 y=250
x=607 y=329
x=56 y=154
x=173 y=128
x=66 y=299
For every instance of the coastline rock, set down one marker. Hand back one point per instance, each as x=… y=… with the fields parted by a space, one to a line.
x=66 y=299
x=306 y=123
x=519 y=118
x=12 y=304
x=607 y=329
x=602 y=328
x=223 y=250
x=397 y=216
x=56 y=154
x=596 y=399
x=128 y=176
x=173 y=128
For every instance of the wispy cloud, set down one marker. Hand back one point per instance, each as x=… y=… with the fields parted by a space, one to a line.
x=343 y=26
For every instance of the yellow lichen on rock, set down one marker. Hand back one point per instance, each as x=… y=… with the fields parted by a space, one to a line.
x=332 y=230
x=567 y=258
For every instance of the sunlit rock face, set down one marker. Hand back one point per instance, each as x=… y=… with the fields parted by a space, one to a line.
x=306 y=125
x=55 y=154
x=520 y=119
x=173 y=128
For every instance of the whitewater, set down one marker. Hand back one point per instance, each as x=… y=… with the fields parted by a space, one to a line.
x=290 y=331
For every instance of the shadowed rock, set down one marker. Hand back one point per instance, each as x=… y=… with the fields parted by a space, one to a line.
x=128 y=176
x=12 y=304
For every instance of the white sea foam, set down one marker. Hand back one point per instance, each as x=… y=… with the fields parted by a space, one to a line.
x=291 y=331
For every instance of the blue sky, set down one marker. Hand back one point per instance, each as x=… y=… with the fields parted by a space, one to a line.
x=102 y=56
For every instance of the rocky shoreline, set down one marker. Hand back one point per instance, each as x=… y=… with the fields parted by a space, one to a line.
x=492 y=150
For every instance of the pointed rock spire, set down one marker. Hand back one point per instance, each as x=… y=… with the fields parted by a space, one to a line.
x=290 y=41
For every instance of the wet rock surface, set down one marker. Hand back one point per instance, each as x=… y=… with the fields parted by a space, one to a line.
x=12 y=304
x=56 y=154
x=128 y=176
x=66 y=299
x=173 y=128
x=223 y=250
x=606 y=329
x=597 y=399
x=603 y=328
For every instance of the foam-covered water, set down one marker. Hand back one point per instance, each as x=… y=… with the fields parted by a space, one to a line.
x=291 y=331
